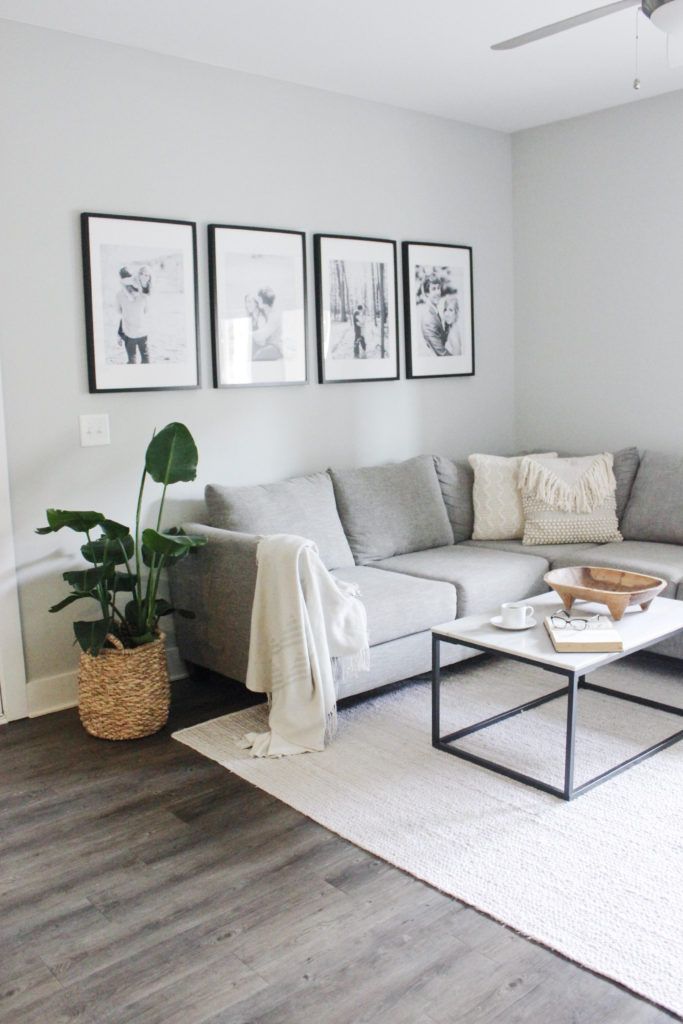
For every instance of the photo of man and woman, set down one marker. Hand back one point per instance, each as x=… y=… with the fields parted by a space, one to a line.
x=259 y=300
x=436 y=299
x=358 y=310
x=439 y=309
x=258 y=307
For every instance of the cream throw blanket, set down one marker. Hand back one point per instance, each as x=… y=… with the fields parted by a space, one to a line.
x=308 y=630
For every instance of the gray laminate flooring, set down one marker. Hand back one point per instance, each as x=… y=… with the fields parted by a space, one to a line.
x=141 y=883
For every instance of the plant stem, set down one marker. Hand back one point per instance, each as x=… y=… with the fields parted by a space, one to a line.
x=138 y=555
x=104 y=600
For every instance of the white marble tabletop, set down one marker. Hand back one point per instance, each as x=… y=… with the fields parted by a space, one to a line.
x=638 y=629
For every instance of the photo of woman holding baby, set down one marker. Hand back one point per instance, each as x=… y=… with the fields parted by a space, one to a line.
x=140 y=277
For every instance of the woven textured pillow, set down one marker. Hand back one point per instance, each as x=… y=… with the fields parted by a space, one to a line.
x=569 y=501
x=498 y=511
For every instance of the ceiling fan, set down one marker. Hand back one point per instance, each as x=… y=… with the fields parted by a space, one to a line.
x=667 y=15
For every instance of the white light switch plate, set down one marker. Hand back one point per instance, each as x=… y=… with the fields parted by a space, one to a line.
x=94 y=430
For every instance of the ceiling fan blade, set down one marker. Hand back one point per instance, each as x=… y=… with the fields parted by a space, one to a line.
x=562 y=26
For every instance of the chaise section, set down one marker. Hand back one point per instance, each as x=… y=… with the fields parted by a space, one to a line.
x=217 y=582
x=649 y=557
x=483 y=578
x=398 y=605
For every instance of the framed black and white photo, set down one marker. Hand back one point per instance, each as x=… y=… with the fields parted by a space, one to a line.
x=140 y=280
x=439 y=310
x=355 y=290
x=258 y=306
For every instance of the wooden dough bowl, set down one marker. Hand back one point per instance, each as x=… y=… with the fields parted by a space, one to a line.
x=616 y=588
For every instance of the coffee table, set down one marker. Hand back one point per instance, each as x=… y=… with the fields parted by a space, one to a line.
x=533 y=646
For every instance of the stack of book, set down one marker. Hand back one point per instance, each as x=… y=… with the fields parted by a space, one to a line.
x=599 y=635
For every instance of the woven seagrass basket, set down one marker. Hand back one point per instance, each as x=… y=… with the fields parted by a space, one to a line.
x=124 y=694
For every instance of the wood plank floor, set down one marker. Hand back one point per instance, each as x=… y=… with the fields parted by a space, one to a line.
x=141 y=883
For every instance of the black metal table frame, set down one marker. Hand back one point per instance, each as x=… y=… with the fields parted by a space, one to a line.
x=575 y=682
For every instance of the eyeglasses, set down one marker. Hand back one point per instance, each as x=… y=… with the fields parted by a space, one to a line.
x=563 y=620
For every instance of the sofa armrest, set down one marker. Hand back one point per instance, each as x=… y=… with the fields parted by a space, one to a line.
x=216 y=582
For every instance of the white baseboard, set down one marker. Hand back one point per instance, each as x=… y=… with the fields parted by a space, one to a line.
x=55 y=693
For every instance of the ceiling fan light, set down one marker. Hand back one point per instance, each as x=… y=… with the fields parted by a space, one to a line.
x=669 y=17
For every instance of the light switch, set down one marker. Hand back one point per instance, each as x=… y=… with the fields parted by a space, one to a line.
x=94 y=430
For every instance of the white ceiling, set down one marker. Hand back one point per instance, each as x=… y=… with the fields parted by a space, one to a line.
x=431 y=56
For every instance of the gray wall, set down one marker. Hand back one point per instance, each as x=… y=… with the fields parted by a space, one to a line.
x=598 y=270
x=91 y=126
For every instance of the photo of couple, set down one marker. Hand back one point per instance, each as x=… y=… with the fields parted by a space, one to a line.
x=266 y=324
x=436 y=297
x=439 y=309
x=358 y=308
x=258 y=306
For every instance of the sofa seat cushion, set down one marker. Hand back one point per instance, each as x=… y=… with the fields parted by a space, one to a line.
x=664 y=560
x=399 y=605
x=303 y=505
x=391 y=509
x=547 y=551
x=483 y=578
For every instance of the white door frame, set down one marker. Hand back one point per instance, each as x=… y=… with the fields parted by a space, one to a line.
x=12 y=668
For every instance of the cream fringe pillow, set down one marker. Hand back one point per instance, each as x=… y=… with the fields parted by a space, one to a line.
x=569 y=501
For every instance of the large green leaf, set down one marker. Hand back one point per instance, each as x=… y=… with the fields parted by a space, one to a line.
x=162 y=607
x=124 y=582
x=70 y=600
x=87 y=579
x=91 y=635
x=115 y=531
x=81 y=522
x=170 y=547
x=105 y=550
x=172 y=455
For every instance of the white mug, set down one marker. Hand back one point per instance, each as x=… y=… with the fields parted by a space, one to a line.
x=516 y=616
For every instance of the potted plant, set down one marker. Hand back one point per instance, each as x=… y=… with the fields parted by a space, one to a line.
x=123 y=678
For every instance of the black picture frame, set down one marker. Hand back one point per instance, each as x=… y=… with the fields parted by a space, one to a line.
x=245 y=262
x=364 y=351
x=435 y=345
x=117 y=250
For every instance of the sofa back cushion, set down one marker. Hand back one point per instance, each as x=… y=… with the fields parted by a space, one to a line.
x=655 y=508
x=626 y=462
x=392 y=509
x=303 y=505
x=456 y=479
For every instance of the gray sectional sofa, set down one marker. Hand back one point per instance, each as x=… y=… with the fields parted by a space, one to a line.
x=402 y=532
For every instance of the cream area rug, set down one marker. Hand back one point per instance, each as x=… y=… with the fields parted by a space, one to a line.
x=599 y=879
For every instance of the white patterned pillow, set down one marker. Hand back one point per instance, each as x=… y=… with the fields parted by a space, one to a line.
x=569 y=501
x=498 y=510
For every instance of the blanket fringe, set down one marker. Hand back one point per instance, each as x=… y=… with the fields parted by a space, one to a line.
x=330 y=725
x=350 y=665
x=590 y=491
